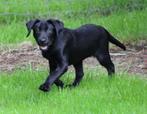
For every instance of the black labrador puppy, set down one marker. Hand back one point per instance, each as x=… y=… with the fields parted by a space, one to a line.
x=63 y=47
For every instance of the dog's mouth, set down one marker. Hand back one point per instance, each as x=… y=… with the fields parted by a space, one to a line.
x=43 y=47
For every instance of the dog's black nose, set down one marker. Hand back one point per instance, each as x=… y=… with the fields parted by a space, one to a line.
x=42 y=40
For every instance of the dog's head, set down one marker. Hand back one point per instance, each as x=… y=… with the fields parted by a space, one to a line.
x=45 y=31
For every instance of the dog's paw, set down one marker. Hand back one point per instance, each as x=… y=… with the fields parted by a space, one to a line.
x=69 y=86
x=44 y=87
x=61 y=86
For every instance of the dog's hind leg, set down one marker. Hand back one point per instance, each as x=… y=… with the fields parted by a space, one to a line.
x=79 y=74
x=59 y=83
x=105 y=60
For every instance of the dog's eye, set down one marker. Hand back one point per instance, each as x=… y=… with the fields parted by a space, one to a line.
x=49 y=31
x=37 y=29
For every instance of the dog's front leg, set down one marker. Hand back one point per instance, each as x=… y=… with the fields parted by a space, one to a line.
x=61 y=68
x=53 y=66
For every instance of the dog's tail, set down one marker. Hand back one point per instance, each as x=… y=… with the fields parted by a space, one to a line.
x=115 y=41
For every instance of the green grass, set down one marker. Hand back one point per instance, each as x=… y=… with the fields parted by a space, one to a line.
x=125 y=26
x=125 y=19
x=97 y=94
x=20 y=10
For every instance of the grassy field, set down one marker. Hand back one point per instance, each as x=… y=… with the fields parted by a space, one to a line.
x=126 y=19
x=22 y=10
x=126 y=26
x=97 y=94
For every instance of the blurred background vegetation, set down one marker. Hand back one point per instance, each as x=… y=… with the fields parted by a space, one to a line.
x=126 y=19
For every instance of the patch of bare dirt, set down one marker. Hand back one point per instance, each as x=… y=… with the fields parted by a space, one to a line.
x=27 y=56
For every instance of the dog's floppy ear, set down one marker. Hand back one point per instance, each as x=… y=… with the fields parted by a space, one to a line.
x=57 y=24
x=30 y=25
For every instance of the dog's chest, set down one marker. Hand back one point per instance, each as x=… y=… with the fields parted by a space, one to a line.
x=47 y=54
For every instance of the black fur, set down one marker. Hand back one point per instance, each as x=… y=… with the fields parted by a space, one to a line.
x=63 y=47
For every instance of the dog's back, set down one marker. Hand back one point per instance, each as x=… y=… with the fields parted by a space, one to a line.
x=91 y=33
x=87 y=40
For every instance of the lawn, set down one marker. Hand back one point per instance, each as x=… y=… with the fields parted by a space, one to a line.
x=97 y=94
x=126 y=20
x=125 y=26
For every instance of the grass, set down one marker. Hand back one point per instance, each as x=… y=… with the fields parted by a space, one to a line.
x=125 y=26
x=20 y=10
x=124 y=19
x=97 y=94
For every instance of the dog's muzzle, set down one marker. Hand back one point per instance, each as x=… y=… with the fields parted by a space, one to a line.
x=43 y=47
